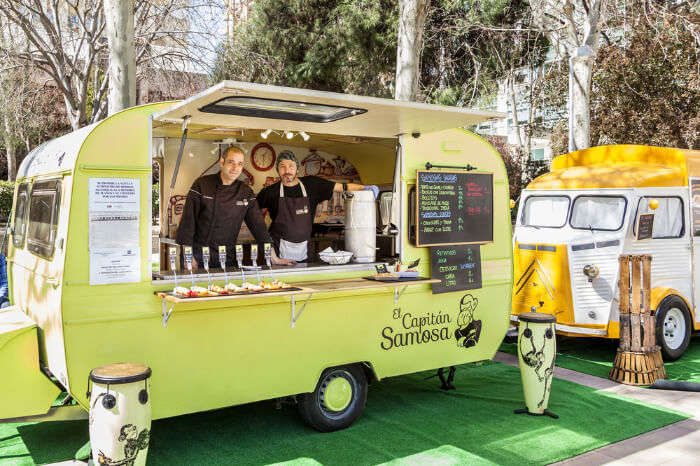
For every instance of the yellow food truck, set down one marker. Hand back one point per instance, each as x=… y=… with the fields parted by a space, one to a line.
x=574 y=222
x=86 y=289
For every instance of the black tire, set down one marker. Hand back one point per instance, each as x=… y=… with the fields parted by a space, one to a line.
x=318 y=415
x=672 y=316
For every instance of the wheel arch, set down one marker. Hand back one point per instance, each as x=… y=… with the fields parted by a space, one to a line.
x=366 y=366
x=659 y=294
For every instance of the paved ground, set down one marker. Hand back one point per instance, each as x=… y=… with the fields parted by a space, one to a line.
x=677 y=444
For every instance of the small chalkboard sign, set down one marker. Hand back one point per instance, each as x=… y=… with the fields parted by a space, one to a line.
x=645 y=226
x=453 y=207
x=458 y=267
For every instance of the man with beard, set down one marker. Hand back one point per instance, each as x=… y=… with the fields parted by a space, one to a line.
x=215 y=209
x=292 y=203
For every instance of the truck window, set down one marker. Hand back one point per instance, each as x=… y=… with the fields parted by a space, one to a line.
x=545 y=211
x=43 y=216
x=19 y=229
x=668 y=216
x=598 y=212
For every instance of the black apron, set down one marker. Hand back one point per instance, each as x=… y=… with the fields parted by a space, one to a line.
x=291 y=229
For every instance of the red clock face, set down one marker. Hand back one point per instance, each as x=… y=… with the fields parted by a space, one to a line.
x=263 y=157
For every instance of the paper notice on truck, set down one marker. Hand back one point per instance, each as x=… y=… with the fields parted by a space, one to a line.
x=114 y=214
x=110 y=265
x=114 y=230
x=114 y=195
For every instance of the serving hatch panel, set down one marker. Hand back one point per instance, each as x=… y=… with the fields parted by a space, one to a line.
x=366 y=116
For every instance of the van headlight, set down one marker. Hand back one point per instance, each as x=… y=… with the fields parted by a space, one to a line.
x=591 y=271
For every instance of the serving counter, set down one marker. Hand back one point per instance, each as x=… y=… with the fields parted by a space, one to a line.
x=308 y=289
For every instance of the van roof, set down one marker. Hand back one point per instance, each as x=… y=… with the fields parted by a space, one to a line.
x=259 y=106
x=620 y=166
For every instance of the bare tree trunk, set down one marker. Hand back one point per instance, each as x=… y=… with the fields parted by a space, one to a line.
x=580 y=75
x=412 y=15
x=514 y=105
x=119 y=18
x=10 y=151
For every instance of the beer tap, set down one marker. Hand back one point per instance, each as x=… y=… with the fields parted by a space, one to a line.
x=222 y=261
x=172 y=255
x=267 y=249
x=239 y=260
x=254 y=260
x=188 y=261
x=205 y=261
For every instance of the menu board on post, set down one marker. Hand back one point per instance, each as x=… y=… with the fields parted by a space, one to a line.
x=457 y=267
x=453 y=207
x=645 y=226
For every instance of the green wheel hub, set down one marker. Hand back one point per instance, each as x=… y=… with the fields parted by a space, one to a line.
x=337 y=395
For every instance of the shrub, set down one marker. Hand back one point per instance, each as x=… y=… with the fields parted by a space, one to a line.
x=7 y=192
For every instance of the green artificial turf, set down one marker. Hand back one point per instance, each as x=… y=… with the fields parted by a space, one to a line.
x=595 y=356
x=408 y=420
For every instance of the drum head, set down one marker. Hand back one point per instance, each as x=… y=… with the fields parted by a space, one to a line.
x=123 y=372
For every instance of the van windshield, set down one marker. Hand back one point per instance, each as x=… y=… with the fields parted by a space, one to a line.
x=545 y=211
x=598 y=212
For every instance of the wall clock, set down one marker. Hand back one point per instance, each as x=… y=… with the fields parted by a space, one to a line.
x=263 y=157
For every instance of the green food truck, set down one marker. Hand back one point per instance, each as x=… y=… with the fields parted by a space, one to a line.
x=87 y=290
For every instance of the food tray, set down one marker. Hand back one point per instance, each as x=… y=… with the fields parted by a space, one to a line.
x=235 y=293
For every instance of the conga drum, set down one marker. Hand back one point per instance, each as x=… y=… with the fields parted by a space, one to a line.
x=536 y=355
x=120 y=414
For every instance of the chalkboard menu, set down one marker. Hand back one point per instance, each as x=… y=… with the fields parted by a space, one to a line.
x=458 y=267
x=453 y=208
x=645 y=226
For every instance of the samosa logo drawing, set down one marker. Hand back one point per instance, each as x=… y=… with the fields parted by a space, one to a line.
x=468 y=329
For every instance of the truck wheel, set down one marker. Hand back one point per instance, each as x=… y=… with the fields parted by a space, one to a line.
x=339 y=398
x=672 y=327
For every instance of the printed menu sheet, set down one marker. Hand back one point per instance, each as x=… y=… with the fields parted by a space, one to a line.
x=113 y=215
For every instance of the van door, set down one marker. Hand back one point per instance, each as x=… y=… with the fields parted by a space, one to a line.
x=669 y=245
x=695 y=239
x=37 y=265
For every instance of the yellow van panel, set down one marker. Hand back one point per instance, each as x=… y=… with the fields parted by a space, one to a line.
x=24 y=389
x=621 y=166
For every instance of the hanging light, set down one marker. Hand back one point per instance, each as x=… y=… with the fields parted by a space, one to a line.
x=304 y=136
x=289 y=134
x=265 y=133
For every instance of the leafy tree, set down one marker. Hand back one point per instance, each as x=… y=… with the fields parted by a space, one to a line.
x=350 y=46
x=646 y=84
x=335 y=46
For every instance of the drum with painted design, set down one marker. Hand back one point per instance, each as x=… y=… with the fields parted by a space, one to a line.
x=120 y=414
x=536 y=355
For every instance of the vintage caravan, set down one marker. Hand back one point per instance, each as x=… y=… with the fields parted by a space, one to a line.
x=574 y=222
x=86 y=289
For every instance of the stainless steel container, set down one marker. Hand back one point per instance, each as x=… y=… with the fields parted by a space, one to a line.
x=361 y=225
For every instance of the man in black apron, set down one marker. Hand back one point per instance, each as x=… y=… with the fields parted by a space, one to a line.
x=292 y=203
x=215 y=209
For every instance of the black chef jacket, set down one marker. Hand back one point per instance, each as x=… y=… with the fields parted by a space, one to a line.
x=213 y=216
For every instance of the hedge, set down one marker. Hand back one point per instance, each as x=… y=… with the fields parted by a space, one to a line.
x=7 y=192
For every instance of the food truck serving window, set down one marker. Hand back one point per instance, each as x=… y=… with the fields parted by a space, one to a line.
x=43 y=217
x=545 y=211
x=598 y=212
x=280 y=109
x=20 y=224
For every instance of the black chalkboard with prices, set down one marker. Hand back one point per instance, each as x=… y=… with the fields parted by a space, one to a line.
x=645 y=226
x=458 y=267
x=453 y=207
